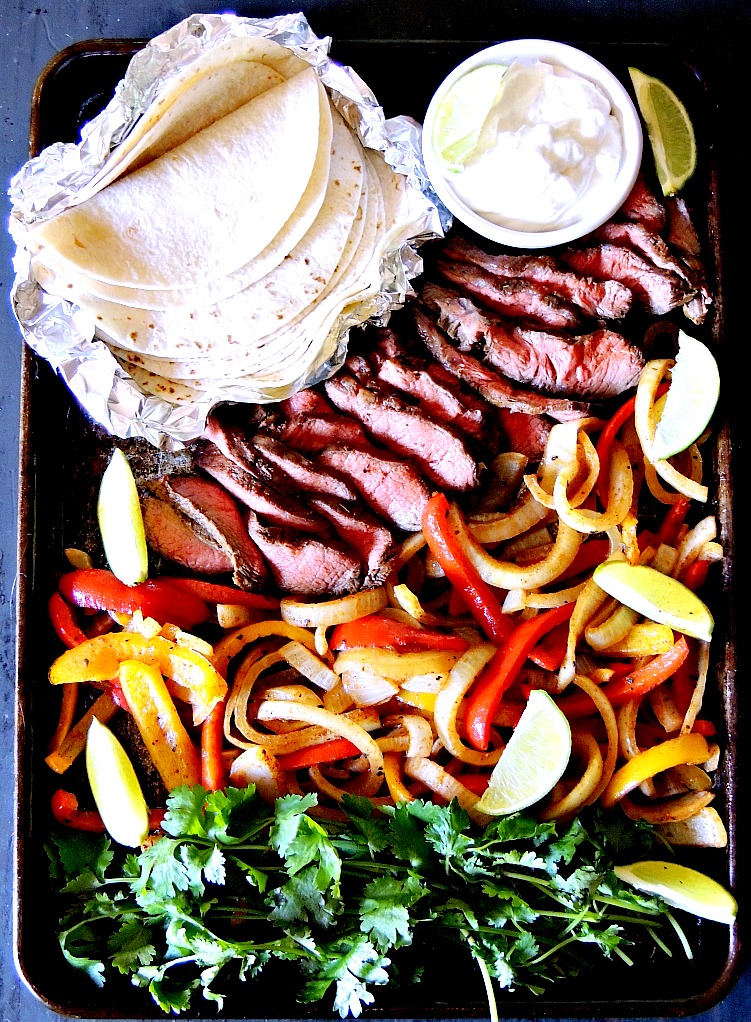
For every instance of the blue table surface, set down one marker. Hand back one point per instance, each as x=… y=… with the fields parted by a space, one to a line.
x=31 y=33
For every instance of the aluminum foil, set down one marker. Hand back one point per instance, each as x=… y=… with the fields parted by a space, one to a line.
x=63 y=334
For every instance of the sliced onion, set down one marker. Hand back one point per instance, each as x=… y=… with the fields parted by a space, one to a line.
x=703 y=830
x=449 y=700
x=646 y=638
x=588 y=602
x=396 y=666
x=614 y=628
x=585 y=747
x=506 y=471
x=545 y=601
x=607 y=713
x=258 y=766
x=333 y=612
x=499 y=527
x=673 y=810
x=620 y=495
x=309 y=665
x=693 y=543
x=366 y=688
x=337 y=724
x=507 y=575
x=697 y=696
x=438 y=780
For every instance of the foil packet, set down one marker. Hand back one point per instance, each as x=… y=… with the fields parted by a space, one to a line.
x=63 y=334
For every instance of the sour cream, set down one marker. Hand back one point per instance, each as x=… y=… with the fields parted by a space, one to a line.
x=549 y=148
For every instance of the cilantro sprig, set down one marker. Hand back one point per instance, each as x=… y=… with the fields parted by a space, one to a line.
x=234 y=885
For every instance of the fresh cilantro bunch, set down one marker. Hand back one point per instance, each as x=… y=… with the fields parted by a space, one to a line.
x=234 y=884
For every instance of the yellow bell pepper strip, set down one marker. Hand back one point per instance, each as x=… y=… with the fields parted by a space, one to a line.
x=688 y=749
x=484 y=698
x=393 y=775
x=172 y=751
x=98 y=660
x=631 y=686
x=214 y=772
x=479 y=598
x=100 y=589
x=74 y=742
x=378 y=631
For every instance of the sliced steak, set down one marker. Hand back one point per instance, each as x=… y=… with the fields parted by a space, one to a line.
x=301 y=471
x=389 y=486
x=494 y=388
x=305 y=564
x=171 y=534
x=512 y=296
x=606 y=299
x=209 y=506
x=305 y=402
x=311 y=433
x=437 y=396
x=642 y=205
x=364 y=533
x=597 y=365
x=680 y=232
x=659 y=291
x=525 y=433
x=659 y=253
x=256 y=494
x=439 y=452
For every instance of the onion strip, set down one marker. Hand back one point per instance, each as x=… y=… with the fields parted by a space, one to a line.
x=449 y=699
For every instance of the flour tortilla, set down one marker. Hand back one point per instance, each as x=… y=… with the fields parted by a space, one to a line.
x=203 y=209
x=279 y=364
x=267 y=305
x=56 y=276
x=218 y=81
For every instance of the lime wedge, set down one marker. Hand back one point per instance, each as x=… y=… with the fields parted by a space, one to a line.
x=462 y=112
x=115 y=787
x=657 y=596
x=533 y=761
x=670 y=131
x=121 y=522
x=691 y=400
x=681 y=887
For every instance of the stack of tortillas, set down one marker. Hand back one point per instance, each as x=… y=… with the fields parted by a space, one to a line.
x=230 y=232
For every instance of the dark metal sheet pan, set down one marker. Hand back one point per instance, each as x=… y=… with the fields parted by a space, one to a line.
x=62 y=454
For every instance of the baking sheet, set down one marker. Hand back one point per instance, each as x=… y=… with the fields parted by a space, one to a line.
x=62 y=457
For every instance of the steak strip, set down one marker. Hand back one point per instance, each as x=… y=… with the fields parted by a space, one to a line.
x=494 y=388
x=440 y=453
x=597 y=365
x=606 y=299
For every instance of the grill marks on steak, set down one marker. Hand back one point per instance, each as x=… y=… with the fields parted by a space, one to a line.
x=601 y=364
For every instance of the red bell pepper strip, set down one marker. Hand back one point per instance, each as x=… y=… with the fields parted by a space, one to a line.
x=608 y=435
x=215 y=592
x=635 y=684
x=695 y=575
x=64 y=621
x=99 y=589
x=478 y=596
x=551 y=652
x=477 y=783
x=704 y=727
x=683 y=682
x=65 y=810
x=326 y=752
x=674 y=518
x=213 y=767
x=485 y=695
x=377 y=631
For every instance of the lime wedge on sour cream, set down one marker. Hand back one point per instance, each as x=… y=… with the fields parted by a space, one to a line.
x=121 y=522
x=115 y=787
x=462 y=112
x=656 y=596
